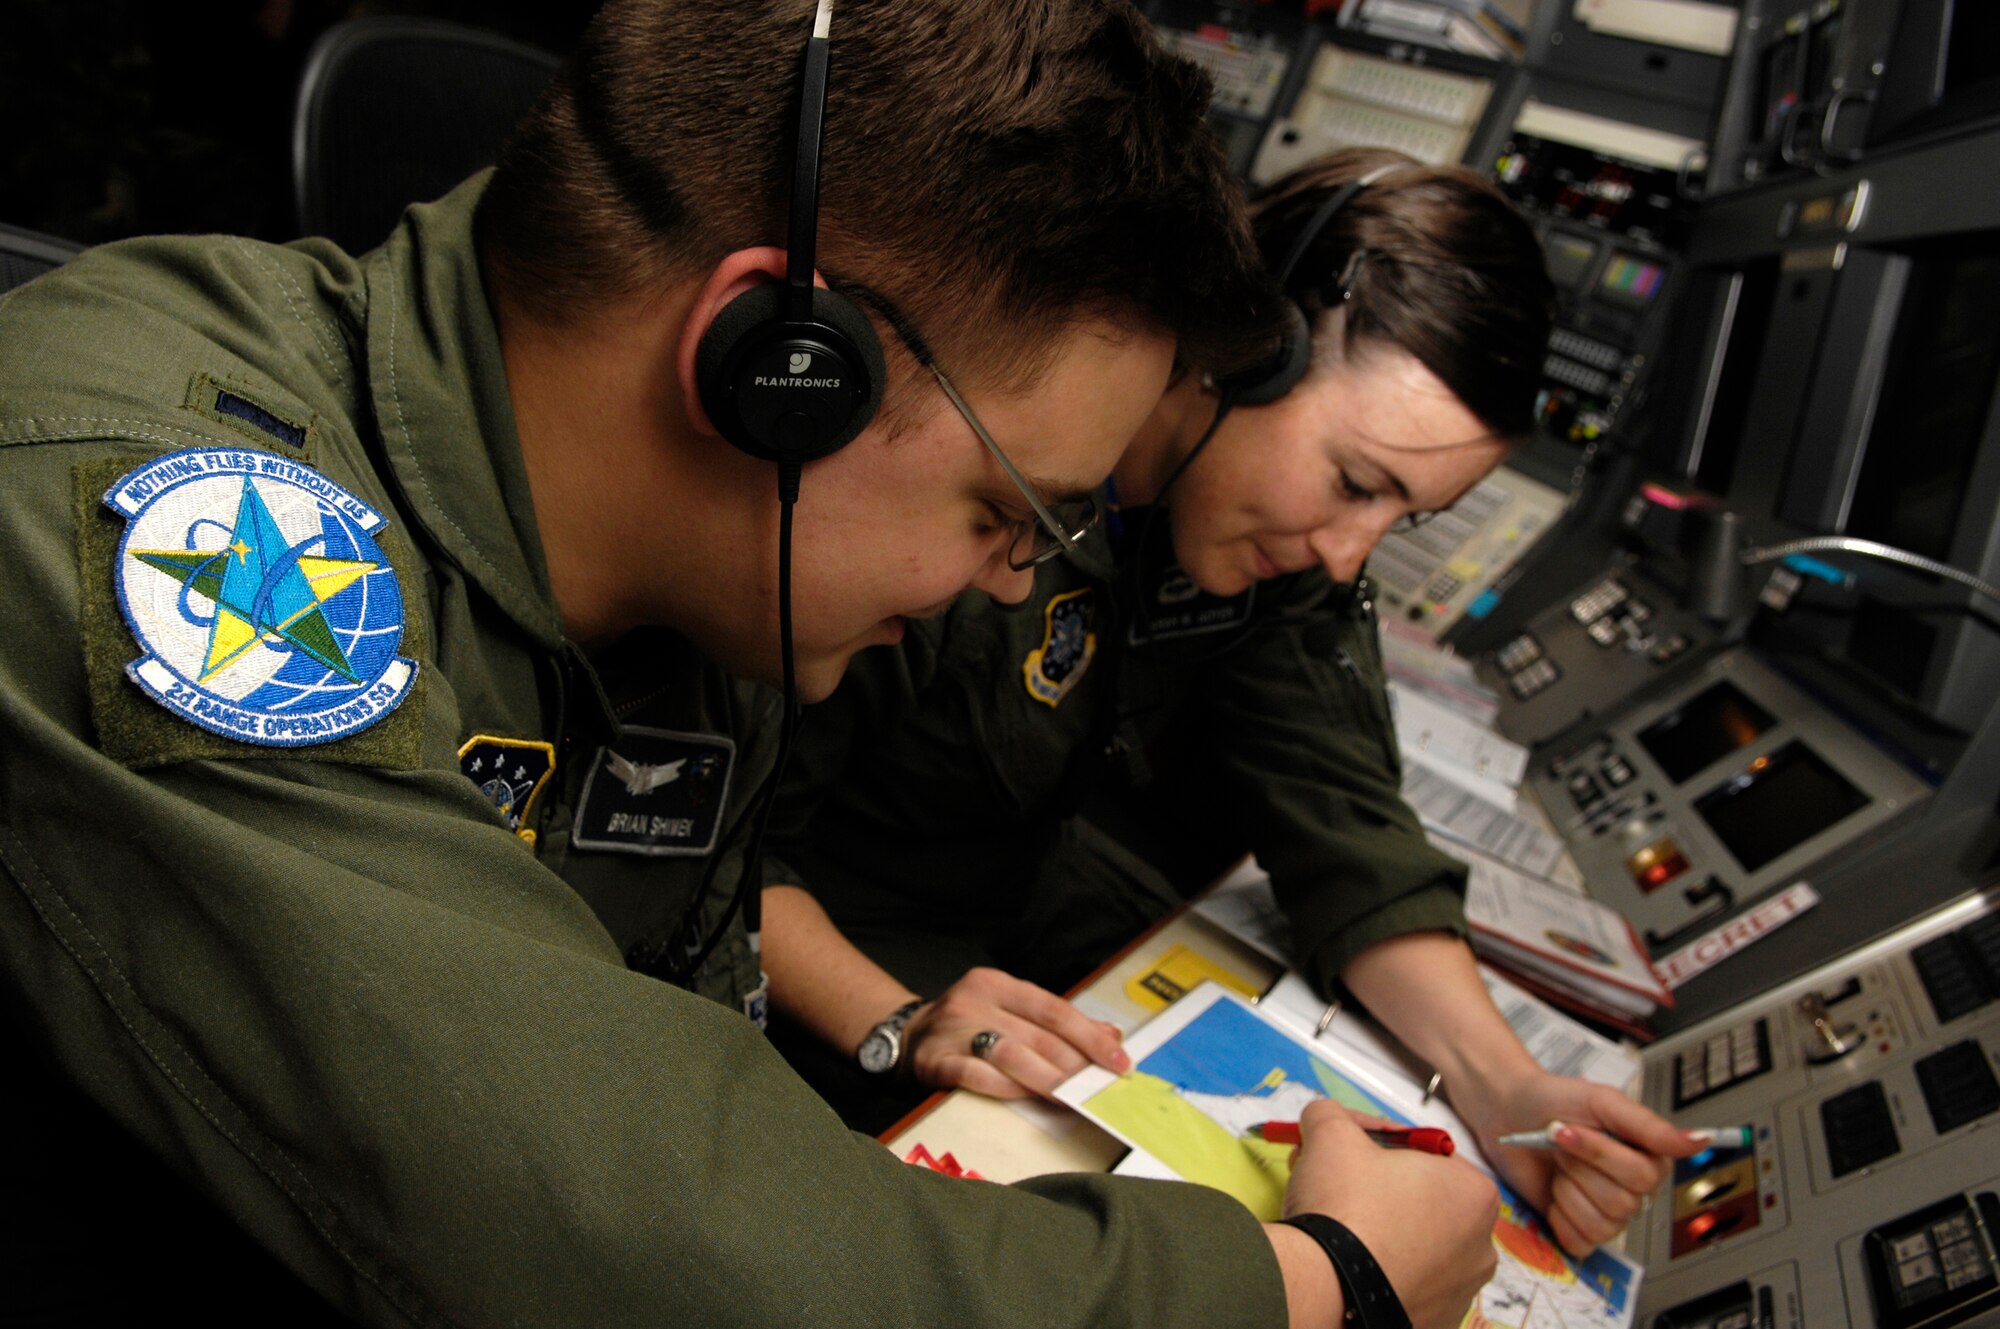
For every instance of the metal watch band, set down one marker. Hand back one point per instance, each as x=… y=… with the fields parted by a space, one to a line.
x=1371 y=1302
x=889 y=1031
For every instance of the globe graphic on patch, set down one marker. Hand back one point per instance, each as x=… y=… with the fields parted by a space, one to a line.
x=266 y=608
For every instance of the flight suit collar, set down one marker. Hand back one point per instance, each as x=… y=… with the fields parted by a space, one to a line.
x=447 y=424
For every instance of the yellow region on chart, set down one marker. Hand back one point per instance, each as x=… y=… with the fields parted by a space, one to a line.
x=1149 y=1112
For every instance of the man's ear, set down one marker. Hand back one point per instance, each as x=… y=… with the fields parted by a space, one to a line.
x=735 y=274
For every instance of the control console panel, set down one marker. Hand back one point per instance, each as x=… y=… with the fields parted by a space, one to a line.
x=1868 y=1190
x=1713 y=793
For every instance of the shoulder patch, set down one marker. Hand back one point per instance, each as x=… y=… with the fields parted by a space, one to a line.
x=655 y=791
x=1068 y=645
x=265 y=609
x=510 y=772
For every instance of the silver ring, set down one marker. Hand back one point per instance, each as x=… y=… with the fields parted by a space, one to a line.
x=982 y=1043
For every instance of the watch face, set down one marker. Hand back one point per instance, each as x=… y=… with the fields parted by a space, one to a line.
x=878 y=1051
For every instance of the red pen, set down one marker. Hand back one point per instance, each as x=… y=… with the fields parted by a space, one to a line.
x=1423 y=1139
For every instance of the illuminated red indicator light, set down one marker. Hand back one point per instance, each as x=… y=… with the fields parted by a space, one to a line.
x=1657 y=864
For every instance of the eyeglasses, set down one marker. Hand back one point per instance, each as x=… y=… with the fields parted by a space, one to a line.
x=1409 y=521
x=1057 y=528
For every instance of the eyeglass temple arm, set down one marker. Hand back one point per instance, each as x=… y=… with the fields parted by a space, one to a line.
x=1047 y=518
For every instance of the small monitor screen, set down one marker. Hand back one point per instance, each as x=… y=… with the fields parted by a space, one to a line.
x=1782 y=801
x=1706 y=729
x=1631 y=281
x=1569 y=259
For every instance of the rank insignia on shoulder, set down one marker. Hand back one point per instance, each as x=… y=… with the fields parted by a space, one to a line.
x=510 y=772
x=1171 y=605
x=265 y=608
x=1068 y=644
x=655 y=791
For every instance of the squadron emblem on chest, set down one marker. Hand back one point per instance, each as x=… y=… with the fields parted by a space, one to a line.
x=1068 y=645
x=509 y=772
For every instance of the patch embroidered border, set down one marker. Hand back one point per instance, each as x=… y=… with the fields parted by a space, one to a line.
x=535 y=762
x=266 y=611
x=1068 y=646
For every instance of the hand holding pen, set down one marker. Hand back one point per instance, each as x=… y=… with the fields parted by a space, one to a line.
x=1592 y=1159
x=1426 y=1219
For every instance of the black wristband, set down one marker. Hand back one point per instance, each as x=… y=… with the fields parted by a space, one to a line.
x=1371 y=1302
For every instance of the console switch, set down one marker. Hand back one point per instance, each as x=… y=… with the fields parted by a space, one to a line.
x=1958 y=1085
x=1859 y=1129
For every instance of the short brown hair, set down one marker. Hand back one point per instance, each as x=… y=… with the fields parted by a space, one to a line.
x=1451 y=273
x=1000 y=168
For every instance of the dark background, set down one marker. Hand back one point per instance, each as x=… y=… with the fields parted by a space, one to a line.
x=129 y=117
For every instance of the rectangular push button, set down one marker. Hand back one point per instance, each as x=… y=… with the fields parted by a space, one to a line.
x=1958 y=1085
x=1859 y=1129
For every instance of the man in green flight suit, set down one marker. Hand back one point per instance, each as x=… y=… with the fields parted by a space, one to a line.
x=373 y=744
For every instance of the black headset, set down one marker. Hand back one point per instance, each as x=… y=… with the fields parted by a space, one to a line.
x=788 y=371
x=1281 y=373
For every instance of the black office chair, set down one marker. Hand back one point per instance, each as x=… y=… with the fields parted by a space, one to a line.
x=394 y=111
x=25 y=254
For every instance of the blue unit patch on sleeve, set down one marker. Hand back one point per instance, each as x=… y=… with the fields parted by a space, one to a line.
x=265 y=608
x=1068 y=646
x=655 y=791
x=510 y=772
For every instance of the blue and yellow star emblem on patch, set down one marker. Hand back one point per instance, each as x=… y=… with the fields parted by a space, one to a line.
x=259 y=585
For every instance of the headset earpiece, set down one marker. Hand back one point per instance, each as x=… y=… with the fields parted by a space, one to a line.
x=1277 y=376
x=789 y=371
x=787 y=390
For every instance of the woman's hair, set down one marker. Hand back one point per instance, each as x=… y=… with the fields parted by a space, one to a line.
x=1438 y=263
x=1000 y=168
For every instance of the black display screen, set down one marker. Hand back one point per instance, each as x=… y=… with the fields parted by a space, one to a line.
x=1782 y=801
x=1937 y=395
x=1706 y=729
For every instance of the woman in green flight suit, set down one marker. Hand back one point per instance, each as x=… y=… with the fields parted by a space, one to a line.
x=986 y=809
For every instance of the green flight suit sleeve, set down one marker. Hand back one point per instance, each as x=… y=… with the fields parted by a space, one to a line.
x=407 y=1059
x=1298 y=722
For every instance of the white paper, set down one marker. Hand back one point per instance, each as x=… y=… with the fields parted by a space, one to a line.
x=1243 y=905
x=1429 y=730
x=1456 y=813
x=1559 y=1044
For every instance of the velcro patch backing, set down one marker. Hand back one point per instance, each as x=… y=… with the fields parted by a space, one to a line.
x=135 y=730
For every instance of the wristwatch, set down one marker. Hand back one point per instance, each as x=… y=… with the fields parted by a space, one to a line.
x=883 y=1048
